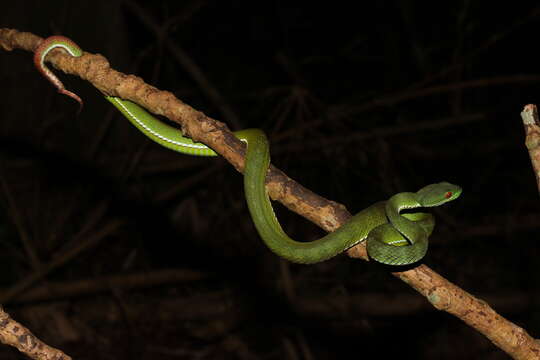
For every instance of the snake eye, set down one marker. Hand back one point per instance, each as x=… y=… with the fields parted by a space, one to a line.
x=448 y=195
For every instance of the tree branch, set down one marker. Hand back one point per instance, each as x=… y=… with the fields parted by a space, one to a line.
x=441 y=293
x=14 y=334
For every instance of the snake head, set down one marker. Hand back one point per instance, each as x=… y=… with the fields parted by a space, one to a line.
x=438 y=194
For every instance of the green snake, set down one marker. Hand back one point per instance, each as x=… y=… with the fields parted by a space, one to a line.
x=392 y=237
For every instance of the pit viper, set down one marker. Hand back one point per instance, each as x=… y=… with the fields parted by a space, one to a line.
x=392 y=236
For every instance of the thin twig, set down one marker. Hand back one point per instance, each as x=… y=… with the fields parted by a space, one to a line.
x=62 y=259
x=187 y=63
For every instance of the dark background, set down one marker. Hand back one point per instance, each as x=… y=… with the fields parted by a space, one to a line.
x=359 y=103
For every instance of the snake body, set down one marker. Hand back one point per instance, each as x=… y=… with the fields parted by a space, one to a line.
x=393 y=237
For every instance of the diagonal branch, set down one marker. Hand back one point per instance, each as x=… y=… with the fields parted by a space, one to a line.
x=441 y=293
x=15 y=334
